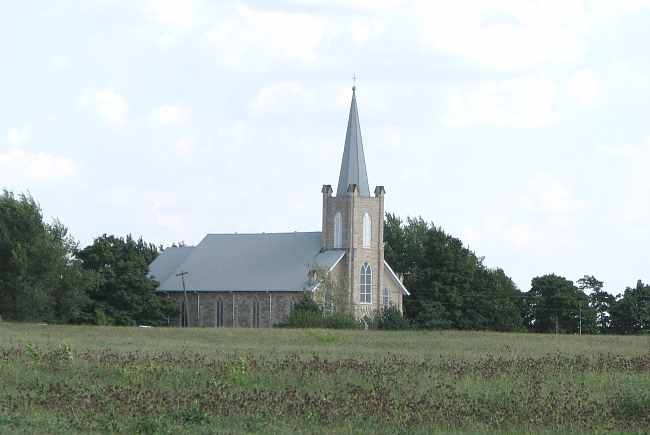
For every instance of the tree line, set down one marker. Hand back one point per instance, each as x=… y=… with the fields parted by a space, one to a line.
x=45 y=276
x=452 y=288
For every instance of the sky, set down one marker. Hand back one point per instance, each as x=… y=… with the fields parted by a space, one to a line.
x=521 y=127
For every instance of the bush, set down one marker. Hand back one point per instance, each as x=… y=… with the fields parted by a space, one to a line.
x=308 y=314
x=339 y=321
x=307 y=304
x=387 y=318
x=310 y=319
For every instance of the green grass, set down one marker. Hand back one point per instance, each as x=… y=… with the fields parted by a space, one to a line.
x=81 y=379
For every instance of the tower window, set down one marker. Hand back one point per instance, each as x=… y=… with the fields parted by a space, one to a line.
x=338 y=230
x=386 y=297
x=367 y=230
x=366 y=284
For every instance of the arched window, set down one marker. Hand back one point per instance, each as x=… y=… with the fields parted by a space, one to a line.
x=366 y=284
x=367 y=230
x=386 y=297
x=338 y=230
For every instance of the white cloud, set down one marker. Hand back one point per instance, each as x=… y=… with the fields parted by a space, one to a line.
x=58 y=63
x=255 y=38
x=173 y=19
x=521 y=235
x=523 y=102
x=22 y=166
x=636 y=153
x=181 y=13
x=549 y=195
x=184 y=146
x=171 y=115
x=634 y=199
x=505 y=35
x=110 y=107
x=19 y=136
x=585 y=87
x=293 y=96
x=281 y=96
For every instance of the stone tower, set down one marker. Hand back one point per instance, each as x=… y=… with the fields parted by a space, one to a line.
x=353 y=220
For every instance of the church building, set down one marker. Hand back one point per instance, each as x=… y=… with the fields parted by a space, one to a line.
x=253 y=280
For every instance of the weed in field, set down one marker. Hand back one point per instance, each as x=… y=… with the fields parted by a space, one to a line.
x=323 y=336
x=239 y=372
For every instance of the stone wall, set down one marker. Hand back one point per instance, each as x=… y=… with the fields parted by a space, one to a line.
x=248 y=309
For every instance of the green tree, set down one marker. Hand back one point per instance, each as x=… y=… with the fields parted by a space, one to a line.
x=450 y=286
x=555 y=304
x=125 y=293
x=631 y=313
x=40 y=279
x=599 y=300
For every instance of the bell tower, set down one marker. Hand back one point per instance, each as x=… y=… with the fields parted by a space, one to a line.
x=353 y=221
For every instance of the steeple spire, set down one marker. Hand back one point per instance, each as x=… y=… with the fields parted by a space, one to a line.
x=353 y=165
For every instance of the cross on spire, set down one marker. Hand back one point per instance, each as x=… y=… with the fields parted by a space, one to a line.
x=354 y=82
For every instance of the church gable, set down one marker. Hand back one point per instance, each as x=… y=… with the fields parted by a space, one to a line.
x=395 y=279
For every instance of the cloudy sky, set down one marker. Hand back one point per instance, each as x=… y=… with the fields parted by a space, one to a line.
x=521 y=127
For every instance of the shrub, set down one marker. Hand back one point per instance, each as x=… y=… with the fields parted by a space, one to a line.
x=387 y=318
x=339 y=321
x=307 y=304
x=308 y=314
x=310 y=319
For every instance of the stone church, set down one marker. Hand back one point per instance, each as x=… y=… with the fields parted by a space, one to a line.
x=253 y=280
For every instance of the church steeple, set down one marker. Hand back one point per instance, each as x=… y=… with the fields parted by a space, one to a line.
x=353 y=165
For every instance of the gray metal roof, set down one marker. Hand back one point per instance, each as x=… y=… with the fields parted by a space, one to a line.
x=167 y=262
x=251 y=262
x=353 y=165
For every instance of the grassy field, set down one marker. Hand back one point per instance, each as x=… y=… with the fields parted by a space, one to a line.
x=81 y=379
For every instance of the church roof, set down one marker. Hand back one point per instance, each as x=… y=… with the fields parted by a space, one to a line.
x=168 y=261
x=353 y=165
x=246 y=262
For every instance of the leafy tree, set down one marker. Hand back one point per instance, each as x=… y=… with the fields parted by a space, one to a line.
x=599 y=300
x=631 y=313
x=39 y=277
x=556 y=305
x=450 y=286
x=125 y=293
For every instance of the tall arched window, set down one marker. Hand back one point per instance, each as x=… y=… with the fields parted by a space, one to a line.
x=367 y=230
x=338 y=230
x=366 y=284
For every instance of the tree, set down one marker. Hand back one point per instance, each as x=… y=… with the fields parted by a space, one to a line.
x=631 y=313
x=40 y=279
x=554 y=304
x=599 y=300
x=125 y=293
x=450 y=286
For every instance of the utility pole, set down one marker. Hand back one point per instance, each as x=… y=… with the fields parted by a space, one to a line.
x=185 y=301
x=580 y=319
